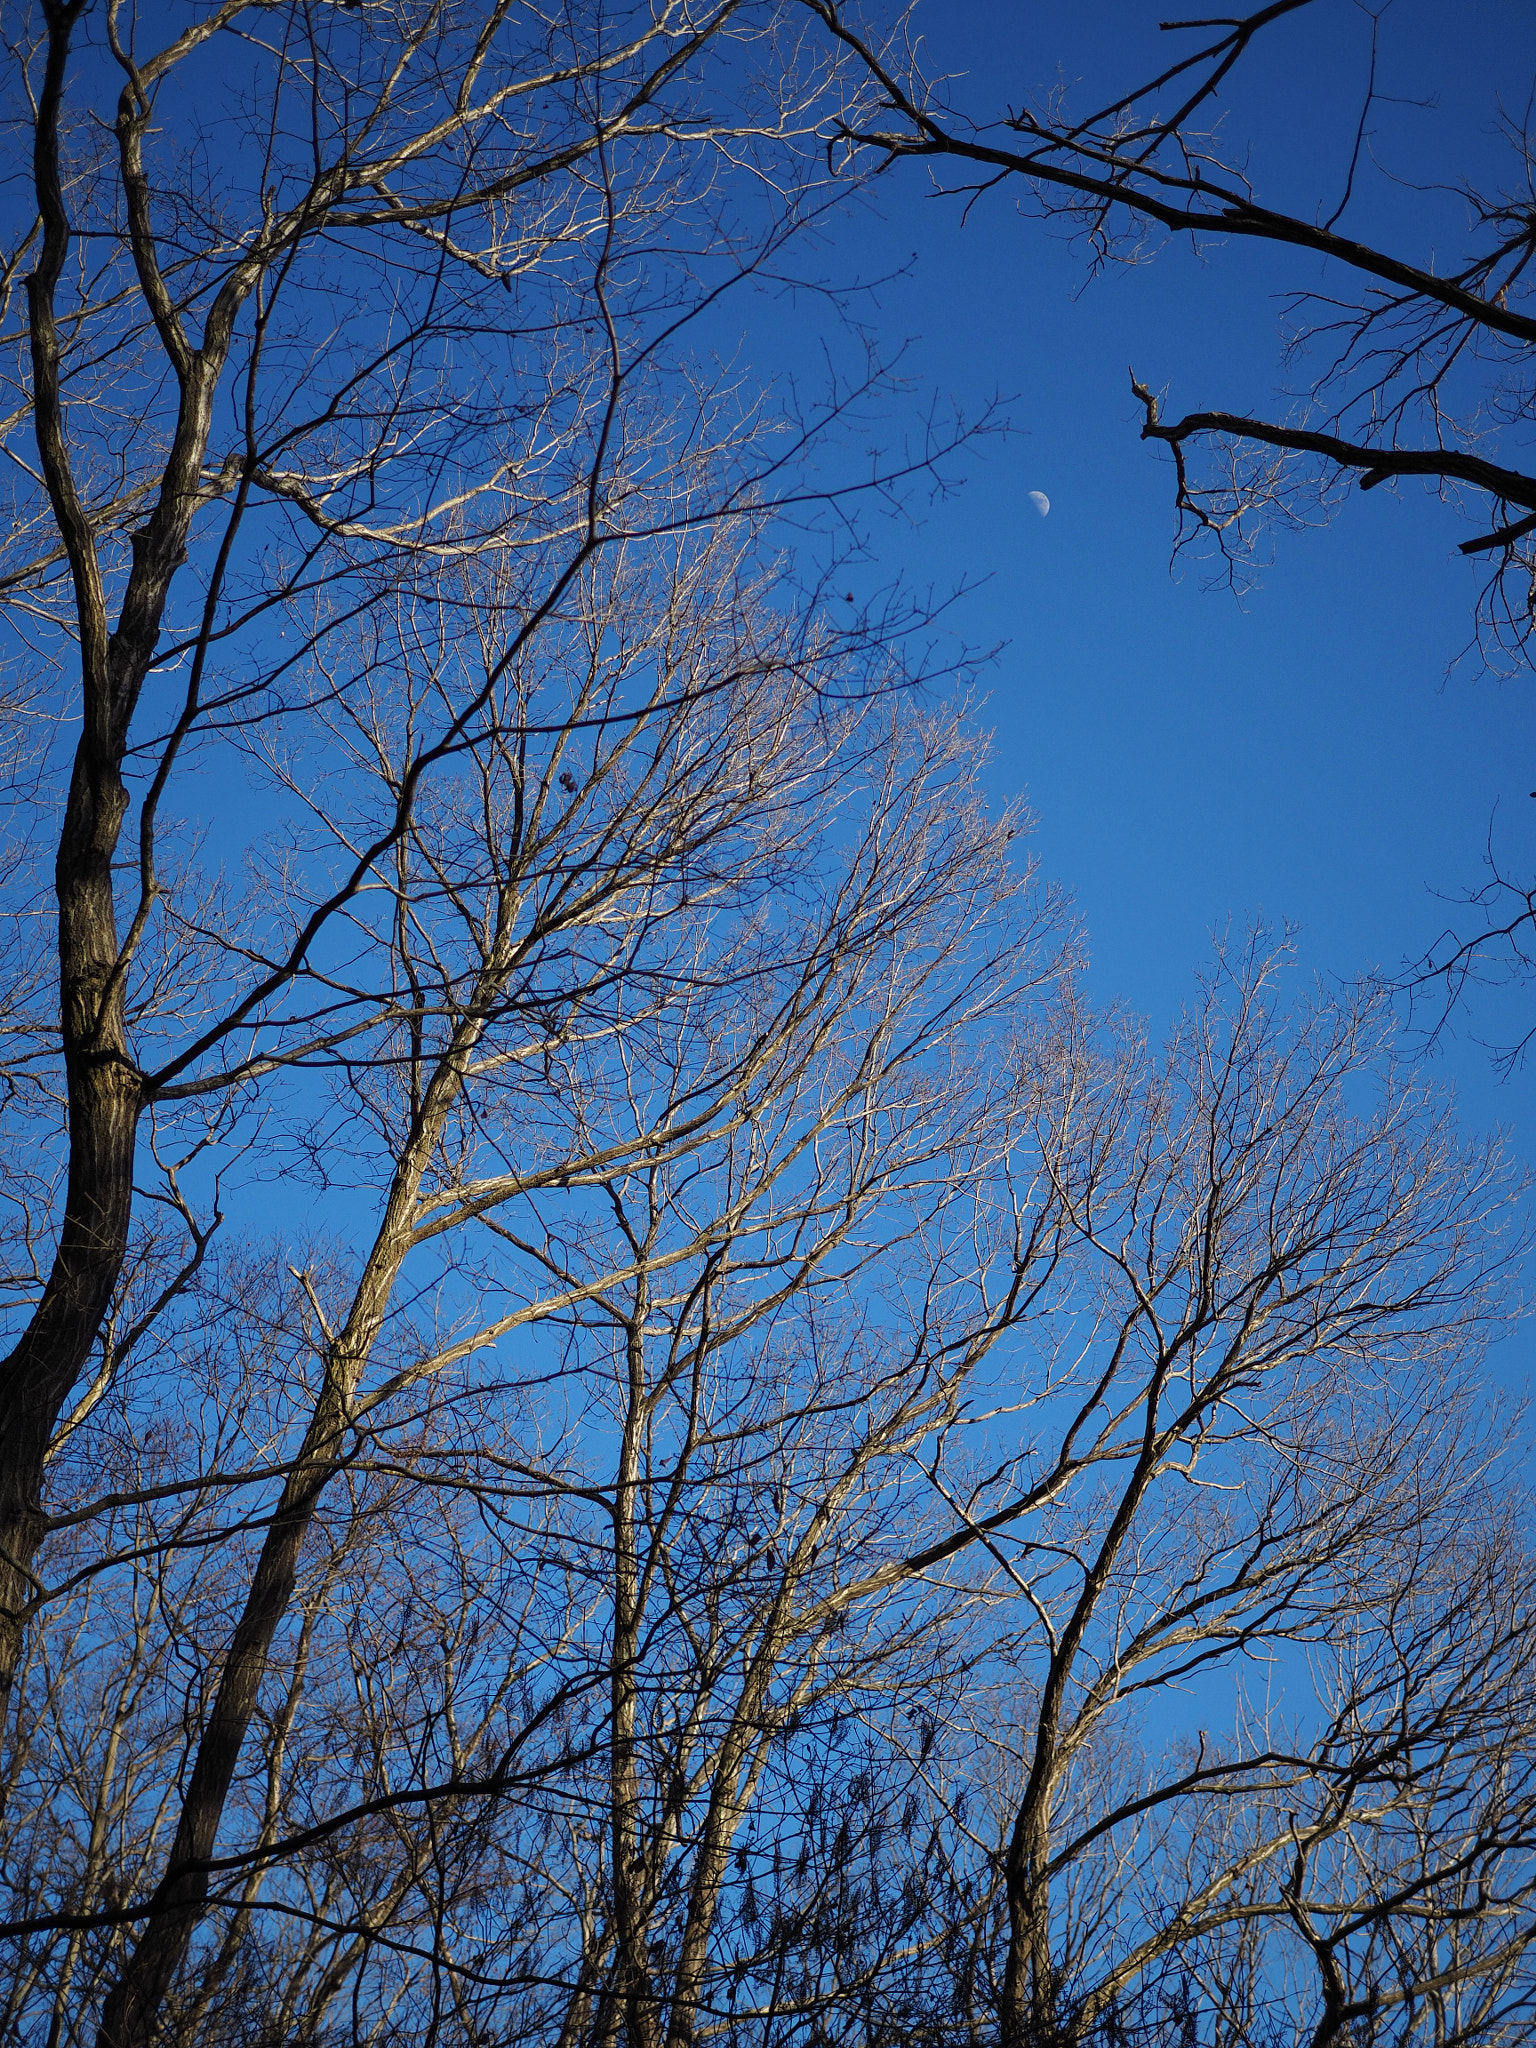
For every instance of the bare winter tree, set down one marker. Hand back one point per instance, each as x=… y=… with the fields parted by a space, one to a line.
x=623 y=1424
x=658 y=1683
x=737 y=1224
x=1271 y=1709
x=306 y=311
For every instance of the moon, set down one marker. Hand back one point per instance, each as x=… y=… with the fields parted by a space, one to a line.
x=1040 y=501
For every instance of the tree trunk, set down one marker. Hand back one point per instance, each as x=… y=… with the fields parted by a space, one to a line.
x=1028 y=2018
x=131 y=2014
x=637 y=2004
x=102 y=1081
x=104 y=1103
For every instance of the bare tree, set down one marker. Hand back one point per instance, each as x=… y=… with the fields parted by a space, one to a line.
x=622 y=1413
x=1255 y=1481
x=766 y=1112
x=320 y=305
x=704 y=1674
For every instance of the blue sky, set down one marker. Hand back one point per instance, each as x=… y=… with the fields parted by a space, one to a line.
x=1303 y=755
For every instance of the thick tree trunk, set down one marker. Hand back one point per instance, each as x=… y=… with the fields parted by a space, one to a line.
x=104 y=1104
x=1029 y=2017
x=102 y=1081
x=131 y=2015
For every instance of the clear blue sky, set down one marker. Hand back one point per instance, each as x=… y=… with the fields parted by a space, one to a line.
x=1303 y=755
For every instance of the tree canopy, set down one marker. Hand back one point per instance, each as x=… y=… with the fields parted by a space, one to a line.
x=627 y=1421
